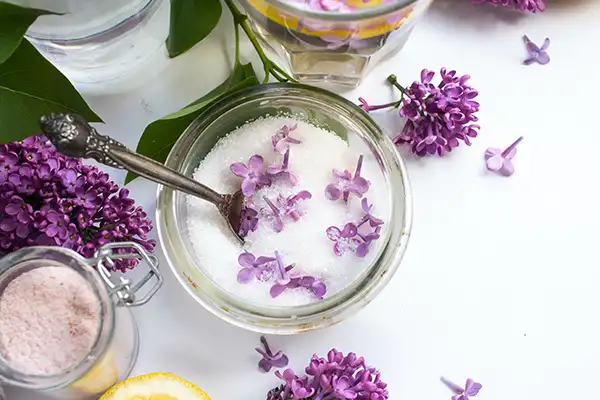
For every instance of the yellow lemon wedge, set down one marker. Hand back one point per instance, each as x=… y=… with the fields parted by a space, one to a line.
x=102 y=376
x=155 y=386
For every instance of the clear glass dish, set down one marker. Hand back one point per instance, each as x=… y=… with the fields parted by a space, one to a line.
x=321 y=108
x=334 y=47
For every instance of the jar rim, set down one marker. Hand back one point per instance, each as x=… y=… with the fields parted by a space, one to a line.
x=367 y=13
x=295 y=318
x=106 y=321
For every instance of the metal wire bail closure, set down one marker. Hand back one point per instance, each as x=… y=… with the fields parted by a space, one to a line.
x=126 y=290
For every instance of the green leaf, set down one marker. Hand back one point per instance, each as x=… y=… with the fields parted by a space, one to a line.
x=160 y=136
x=31 y=87
x=14 y=22
x=191 y=21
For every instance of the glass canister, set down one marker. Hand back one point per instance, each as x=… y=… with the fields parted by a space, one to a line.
x=115 y=347
x=95 y=41
x=333 y=41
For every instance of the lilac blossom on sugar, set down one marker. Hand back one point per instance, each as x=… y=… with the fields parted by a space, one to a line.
x=49 y=199
x=286 y=207
x=346 y=183
x=253 y=174
x=335 y=377
x=282 y=172
x=285 y=280
x=438 y=116
x=520 y=5
x=282 y=139
x=270 y=360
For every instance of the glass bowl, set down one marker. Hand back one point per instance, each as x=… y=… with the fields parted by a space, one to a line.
x=321 y=108
x=334 y=47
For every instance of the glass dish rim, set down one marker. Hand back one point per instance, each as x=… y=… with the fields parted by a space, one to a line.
x=171 y=239
x=373 y=12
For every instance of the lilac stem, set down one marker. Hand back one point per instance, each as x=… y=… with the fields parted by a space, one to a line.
x=286 y=159
x=358 y=167
x=381 y=106
x=271 y=205
x=263 y=340
x=511 y=147
x=280 y=266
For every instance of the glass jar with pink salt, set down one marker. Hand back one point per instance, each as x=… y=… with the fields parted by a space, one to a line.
x=65 y=327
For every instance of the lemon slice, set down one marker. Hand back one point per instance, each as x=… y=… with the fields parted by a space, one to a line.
x=102 y=376
x=156 y=386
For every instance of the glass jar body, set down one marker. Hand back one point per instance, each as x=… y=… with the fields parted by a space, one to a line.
x=320 y=108
x=98 y=41
x=114 y=352
x=333 y=47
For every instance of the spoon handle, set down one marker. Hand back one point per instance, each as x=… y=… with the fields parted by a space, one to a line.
x=75 y=137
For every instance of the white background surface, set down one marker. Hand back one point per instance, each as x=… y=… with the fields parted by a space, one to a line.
x=501 y=279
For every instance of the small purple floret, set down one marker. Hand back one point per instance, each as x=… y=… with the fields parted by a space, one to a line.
x=536 y=54
x=282 y=171
x=285 y=207
x=282 y=139
x=270 y=360
x=346 y=183
x=471 y=389
x=253 y=174
x=286 y=281
x=500 y=161
x=254 y=267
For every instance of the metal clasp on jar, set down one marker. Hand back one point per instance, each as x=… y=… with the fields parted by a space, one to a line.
x=126 y=290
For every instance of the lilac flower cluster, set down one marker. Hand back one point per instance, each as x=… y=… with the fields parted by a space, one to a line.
x=533 y=6
x=356 y=237
x=336 y=377
x=256 y=176
x=265 y=268
x=438 y=116
x=347 y=183
x=49 y=199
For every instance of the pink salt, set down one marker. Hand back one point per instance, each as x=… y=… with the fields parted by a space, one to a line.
x=49 y=320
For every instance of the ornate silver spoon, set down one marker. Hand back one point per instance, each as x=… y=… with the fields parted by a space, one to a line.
x=75 y=137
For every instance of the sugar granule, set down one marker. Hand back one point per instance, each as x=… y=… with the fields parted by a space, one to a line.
x=49 y=320
x=302 y=243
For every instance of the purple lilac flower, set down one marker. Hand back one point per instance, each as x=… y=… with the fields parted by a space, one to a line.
x=346 y=183
x=373 y=221
x=438 y=116
x=270 y=360
x=345 y=239
x=286 y=281
x=258 y=268
x=49 y=199
x=285 y=207
x=282 y=139
x=253 y=174
x=249 y=220
x=282 y=171
x=470 y=390
x=520 y=5
x=536 y=54
x=500 y=161
x=363 y=248
x=334 y=377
